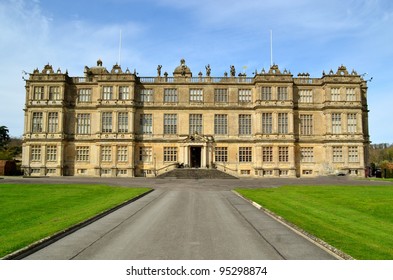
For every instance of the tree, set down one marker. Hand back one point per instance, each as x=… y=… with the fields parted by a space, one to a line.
x=4 y=136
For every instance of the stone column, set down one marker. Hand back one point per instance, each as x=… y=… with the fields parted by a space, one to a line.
x=132 y=121
x=274 y=122
x=203 y=156
x=290 y=123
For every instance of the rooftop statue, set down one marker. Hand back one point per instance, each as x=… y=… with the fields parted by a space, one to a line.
x=233 y=71
x=159 y=70
x=208 y=70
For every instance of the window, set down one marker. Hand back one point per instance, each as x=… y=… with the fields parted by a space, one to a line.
x=81 y=171
x=51 y=153
x=82 y=153
x=146 y=95
x=146 y=123
x=146 y=172
x=170 y=154
x=54 y=93
x=266 y=93
x=195 y=123
x=53 y=122
x=84 y=95
x=337 y=154
x=122 y=172
x=196 y=95
x=352 y=123
x=122 y=153
x=267 y=123
x=170 y=123
x=106 y=153
x=245 y=96
x=107 y=93
x=282 y=93
x=283 y=154
x=220 y=95
x=335 y=92
x=35 y=153
x=307 y=154
x=122 y=122
x=145 y=154
x=83 y=123
x=283 y=172
x=38 y=93
x=221 y=124
x=221 y=154
x=307 y=172
x=353 y=172
x=124 y=93
x=36 y=171
x=105 y=171
x=267 y=154
x=306 y=125
x=245 y=124
x=336 y=123
x=353 y=155
x=351 y=94
x=106 y=124
x=282 y=123
x=245 y=172
x=37 y=122
x=170 y=95
x=305 y=96
x=245 y=154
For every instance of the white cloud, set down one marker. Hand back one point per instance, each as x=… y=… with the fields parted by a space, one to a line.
x=30 y=39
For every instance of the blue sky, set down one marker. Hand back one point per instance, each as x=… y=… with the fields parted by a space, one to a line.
x=308 y=36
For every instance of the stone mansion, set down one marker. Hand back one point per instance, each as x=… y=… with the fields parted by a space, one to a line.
x=115 y=123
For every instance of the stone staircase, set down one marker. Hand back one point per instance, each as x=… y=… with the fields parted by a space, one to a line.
x=196 y=173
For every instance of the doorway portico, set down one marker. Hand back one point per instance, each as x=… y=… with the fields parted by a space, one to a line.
x=196 y=151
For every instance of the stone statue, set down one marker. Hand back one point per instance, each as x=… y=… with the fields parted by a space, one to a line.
x=159 y=70
x=233 y=71
x=208 y=70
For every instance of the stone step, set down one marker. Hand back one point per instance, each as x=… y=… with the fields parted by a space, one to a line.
x=196 y=173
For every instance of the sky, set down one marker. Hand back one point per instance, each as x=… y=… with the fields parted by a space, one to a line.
x=308 y=36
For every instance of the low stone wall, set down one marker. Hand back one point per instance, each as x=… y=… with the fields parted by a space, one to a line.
x=7 y=168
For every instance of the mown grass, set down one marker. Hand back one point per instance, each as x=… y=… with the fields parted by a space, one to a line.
x=29 y=213
x=355 y=219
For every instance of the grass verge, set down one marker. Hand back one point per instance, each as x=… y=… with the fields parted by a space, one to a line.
x=29 y=213
x=356 y=220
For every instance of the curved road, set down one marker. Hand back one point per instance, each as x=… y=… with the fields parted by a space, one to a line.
x=184 y=223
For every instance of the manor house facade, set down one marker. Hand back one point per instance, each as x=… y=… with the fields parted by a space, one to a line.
x=115 y=123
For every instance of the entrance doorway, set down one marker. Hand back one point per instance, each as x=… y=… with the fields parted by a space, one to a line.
x=195 y=158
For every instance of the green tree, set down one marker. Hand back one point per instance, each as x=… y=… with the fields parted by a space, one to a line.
x=4 y=136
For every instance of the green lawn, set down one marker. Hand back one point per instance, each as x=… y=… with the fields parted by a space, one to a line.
x=31 y=212
x=356 y=220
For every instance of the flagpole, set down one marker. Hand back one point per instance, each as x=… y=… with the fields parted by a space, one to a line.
x=120 y=49
x=271 y=47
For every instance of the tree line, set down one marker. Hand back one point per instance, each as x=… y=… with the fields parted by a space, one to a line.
x=381 y=158
x=10 y=147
